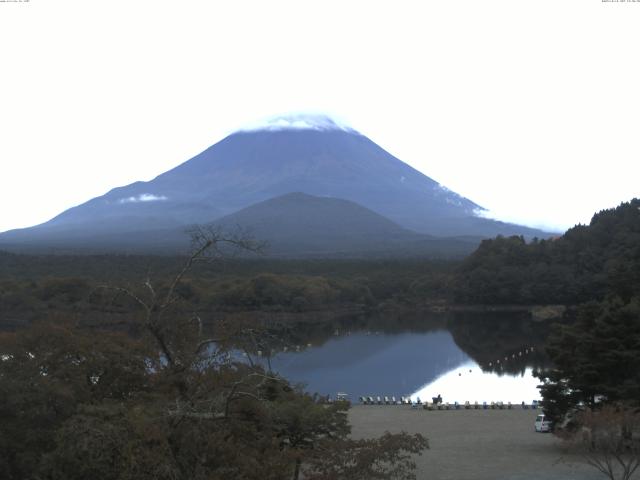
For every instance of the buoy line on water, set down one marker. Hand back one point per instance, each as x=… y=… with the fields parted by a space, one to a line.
x=501 y=362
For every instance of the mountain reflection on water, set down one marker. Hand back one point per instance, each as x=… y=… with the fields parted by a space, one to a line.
x=423 y=363
x=469 y=383
x=383 y=364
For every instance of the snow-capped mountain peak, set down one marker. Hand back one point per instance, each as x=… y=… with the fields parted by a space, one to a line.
x=298 y=121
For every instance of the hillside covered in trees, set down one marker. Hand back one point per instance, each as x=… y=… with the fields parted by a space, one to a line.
x=588 y=262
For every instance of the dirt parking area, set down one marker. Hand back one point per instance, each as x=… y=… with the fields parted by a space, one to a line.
x=475 y=444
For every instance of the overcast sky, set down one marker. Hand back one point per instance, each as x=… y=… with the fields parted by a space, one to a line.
x=529 y=108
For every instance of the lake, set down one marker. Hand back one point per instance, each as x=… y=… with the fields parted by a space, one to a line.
x=423 y=362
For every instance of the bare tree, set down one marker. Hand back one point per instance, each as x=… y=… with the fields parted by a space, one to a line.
x=208 y=243
x=180 y=338
x=609 y=440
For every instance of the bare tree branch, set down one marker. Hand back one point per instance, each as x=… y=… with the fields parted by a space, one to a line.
x=129 y=293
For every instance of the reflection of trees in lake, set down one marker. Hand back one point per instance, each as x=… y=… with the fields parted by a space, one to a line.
x=500 y=341
x=503 y=342
x=286 y=331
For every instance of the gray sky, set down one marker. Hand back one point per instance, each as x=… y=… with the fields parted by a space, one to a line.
x=529 y=108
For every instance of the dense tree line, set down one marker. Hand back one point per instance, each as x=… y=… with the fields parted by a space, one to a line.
x=122 y=268
x=34 y=287
x=586 y=263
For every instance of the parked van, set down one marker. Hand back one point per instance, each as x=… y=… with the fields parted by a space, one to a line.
x=542 y=424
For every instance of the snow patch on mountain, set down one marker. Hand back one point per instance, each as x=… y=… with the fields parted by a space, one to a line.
x=302 y=121
x=452 y=198
x=482 y=213
x=143 y=197
x=441 y=189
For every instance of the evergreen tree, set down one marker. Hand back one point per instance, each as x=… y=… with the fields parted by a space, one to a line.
x=595 y=359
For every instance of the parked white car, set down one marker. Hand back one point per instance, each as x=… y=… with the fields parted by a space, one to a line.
x=542 y=424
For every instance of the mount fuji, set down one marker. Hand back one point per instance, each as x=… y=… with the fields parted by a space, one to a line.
x=312 y=155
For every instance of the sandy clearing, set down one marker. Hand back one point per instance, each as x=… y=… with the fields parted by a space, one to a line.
x=475 y=444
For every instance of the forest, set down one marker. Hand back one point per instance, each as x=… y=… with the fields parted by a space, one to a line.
x=588 y=262
x=37 y=287
x=117 y=366
x=161 y=396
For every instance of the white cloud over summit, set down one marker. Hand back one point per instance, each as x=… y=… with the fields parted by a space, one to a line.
x=298 y=121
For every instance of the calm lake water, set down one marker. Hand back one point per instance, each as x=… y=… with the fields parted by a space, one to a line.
x=421 y=363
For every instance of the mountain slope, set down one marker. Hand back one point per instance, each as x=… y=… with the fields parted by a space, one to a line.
x=298 y=224
x=248 y=167
x=292 y=225
x=252 y=166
